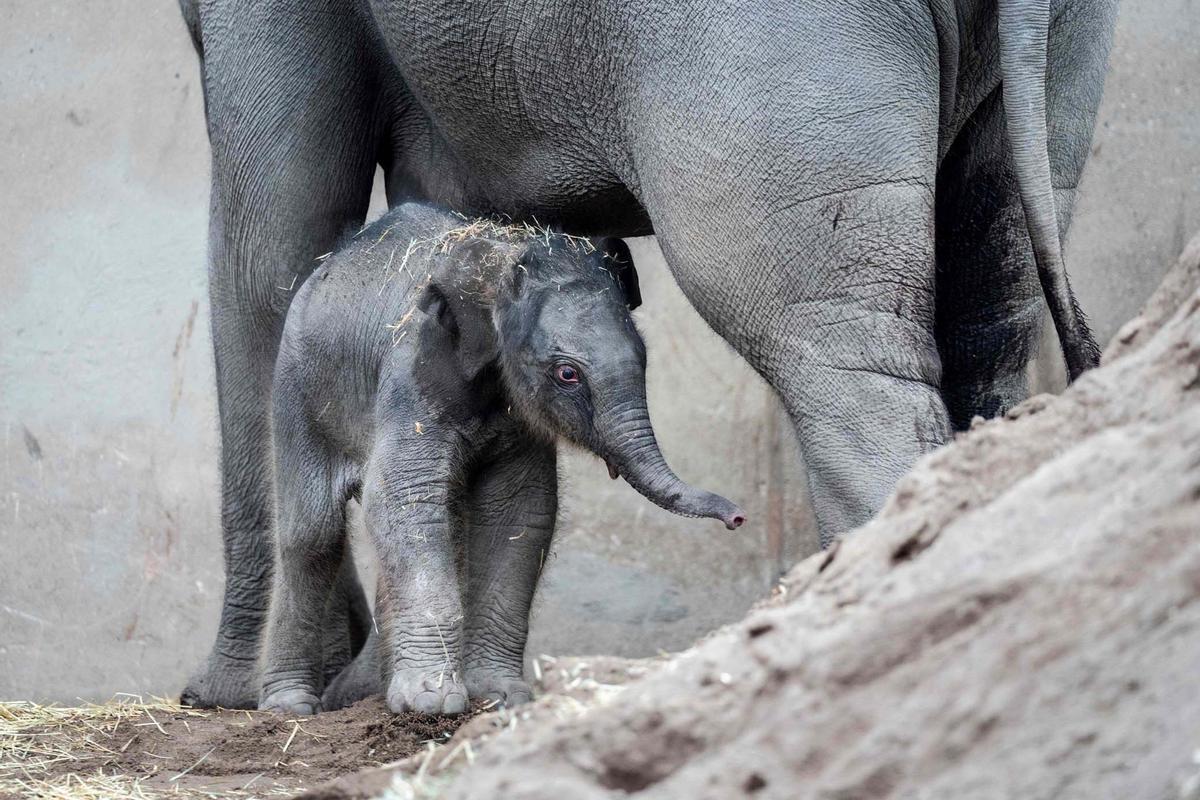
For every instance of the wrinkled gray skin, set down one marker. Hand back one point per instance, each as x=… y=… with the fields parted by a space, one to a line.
x=832 y=184
x=434 y=393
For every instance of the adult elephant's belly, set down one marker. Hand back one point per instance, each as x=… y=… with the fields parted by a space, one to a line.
x=486 y=168
x=508 y=122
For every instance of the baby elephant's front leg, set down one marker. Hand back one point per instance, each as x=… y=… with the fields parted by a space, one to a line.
x=406 y=506
x=511 y=512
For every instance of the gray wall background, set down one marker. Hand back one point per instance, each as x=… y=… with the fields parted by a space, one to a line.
x=110 y=565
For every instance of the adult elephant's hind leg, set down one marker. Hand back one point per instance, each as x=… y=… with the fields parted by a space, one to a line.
x=292 y=136
x=802 y=230
x=853 y=355
x=841 y=323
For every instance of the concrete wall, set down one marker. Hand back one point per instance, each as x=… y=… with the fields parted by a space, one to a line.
x=1139 y=200
x=110 y=567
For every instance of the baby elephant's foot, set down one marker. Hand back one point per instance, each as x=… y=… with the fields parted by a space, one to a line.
x=361 y=679
x=297 y=702
x=222 y=684
x=440 y=693
x=351 y=685
x=503 y=688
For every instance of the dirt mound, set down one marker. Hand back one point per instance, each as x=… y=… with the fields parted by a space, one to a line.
x=133 y=749
x=1022 y=620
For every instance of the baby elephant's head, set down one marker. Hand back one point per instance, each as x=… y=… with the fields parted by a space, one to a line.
x=574 y=365
x=552 y=312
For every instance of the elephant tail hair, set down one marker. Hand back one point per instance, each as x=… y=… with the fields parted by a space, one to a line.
x=1024 y=27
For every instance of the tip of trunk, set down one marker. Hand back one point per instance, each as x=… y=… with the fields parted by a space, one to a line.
x=727 y=511
x=680 y=498
x=699 y=503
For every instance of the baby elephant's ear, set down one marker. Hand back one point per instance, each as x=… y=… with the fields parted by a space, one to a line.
x=620 y=263
x=455 y=309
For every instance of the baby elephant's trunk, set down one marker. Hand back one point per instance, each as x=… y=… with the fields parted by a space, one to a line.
x=632 y=452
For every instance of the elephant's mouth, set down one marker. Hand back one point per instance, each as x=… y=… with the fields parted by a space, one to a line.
x=613 y=472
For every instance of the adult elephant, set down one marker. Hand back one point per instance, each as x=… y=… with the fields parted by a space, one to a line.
x=832 y=184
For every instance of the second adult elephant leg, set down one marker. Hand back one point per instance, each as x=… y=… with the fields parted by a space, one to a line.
x=990 y=304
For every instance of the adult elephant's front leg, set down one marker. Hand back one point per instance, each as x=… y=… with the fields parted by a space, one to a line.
x=293 y=152
x=510 y=515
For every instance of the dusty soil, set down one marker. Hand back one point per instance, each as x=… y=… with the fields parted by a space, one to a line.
x=131 y=750
x=235 y=753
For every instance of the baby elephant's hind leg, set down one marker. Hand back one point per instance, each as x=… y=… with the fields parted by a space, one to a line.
x=510 y=522
x=312 y=547
x=347 y=621
x=361 y=679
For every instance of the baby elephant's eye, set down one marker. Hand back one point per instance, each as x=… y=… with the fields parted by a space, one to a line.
x=565 y=373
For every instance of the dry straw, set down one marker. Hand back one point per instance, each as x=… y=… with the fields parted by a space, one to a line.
x=39 y=743
x=444 y=242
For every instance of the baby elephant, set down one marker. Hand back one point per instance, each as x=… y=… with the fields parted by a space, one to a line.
x=427 y=369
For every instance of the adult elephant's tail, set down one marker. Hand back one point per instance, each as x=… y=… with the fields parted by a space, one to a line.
x=1024 y=32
